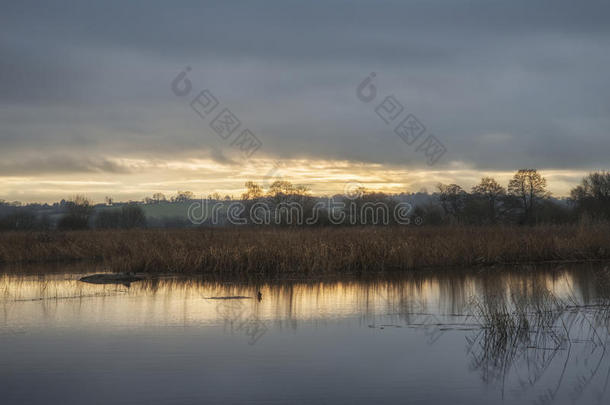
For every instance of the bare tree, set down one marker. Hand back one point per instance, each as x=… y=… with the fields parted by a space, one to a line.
x=492 y=192
x=158 y=197
x=529 y=187
x=280 y=188
x=452 y=198
x=593 y=195
x=253 y=191
x=79 y=211
x=184 y=196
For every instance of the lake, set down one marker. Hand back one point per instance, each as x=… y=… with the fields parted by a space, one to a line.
x=502 y=335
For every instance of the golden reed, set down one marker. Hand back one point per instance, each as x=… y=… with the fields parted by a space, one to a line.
x=252 y=252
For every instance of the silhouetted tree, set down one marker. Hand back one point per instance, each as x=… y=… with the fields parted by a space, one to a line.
x=132 y=216
x=529 y=187
x=128 y=216
x=159 y=197
x=287 y=201
x=492 y=192
x=78 y=213
x=592 y=197
x=183 y=196
x=280 y=189
x=253 y=191
x=452 y=198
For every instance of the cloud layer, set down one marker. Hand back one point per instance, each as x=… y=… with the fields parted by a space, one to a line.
x=502 y=85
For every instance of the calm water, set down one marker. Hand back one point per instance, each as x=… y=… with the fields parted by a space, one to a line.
x=416 y=340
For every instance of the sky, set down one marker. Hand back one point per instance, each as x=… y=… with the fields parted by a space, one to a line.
x=90 y=100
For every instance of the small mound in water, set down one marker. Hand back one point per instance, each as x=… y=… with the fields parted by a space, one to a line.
x=231 y=297
x=110 y=278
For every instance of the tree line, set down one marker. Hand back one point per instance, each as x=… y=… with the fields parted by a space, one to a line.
x=75 y=214
x=525 y=200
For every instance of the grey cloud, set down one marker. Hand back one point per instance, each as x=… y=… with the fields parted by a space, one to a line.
x=59 y=164
x=289 y=29
x=32 y=73
x=536 y=72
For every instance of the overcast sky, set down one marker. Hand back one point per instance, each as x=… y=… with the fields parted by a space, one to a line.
x=86 y=101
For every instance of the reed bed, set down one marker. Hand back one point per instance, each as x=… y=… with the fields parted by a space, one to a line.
x=309 y=251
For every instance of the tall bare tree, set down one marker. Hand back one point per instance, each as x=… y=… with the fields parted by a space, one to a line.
x=492 y=192
x=159 y=197
x=253 y=191
x=184 y=196
x=529 y=187
x=78 y=212
x=452 y=198
x=593 y=195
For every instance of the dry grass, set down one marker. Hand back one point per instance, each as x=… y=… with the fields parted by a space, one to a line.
x=311 y=251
